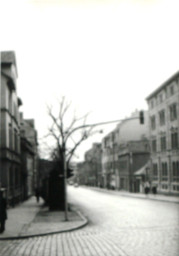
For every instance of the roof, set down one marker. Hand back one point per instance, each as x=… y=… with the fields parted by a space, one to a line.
x=8 y=57
x=163 y=85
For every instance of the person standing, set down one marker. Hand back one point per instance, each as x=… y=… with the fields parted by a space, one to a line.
x=3 y=212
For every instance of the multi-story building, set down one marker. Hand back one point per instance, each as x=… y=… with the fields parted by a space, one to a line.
x=93 y=165
x=118 y=149
x=18 y=138
x=29 y=154
x=164 y=135
x=10 y=171
x=132 y=156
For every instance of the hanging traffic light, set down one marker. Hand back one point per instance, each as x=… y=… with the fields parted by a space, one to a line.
x=141 y=117
x=70 y=173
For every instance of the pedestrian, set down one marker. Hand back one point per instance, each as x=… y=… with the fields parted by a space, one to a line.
x=154 y=189
x=37 y=194
x=3 y=212
x=146 y=187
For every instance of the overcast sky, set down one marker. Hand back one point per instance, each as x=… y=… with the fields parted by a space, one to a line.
x=105 y=56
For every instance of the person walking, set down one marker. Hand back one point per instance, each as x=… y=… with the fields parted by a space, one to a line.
x=37 y=194
x=154 y=189
x=147 y=187
x=3 y=212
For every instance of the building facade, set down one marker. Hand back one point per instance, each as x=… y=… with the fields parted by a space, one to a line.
x=164 y=136
x=118 y=147
x=132 y=156
x=29 y=157
x=93 y=165
x=18 y=138
x=10 y=129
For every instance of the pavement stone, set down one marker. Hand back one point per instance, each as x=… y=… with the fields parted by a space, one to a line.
x=30 y=219
x=105 y=236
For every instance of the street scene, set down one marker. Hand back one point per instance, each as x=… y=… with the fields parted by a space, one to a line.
x=89 y=128
x=118 y=224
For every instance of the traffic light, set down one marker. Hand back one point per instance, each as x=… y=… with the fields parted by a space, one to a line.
x=69 y=173
x=141 y=117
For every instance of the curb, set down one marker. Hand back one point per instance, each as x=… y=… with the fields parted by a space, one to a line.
x=85 y=222
x=154 y=199
x=114 y=192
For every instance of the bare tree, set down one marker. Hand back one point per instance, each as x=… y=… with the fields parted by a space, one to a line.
x=63 y=130
x=68 y=132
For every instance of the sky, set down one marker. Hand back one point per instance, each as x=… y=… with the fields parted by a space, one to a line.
x=104 y=56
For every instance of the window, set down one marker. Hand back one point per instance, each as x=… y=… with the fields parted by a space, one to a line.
x=10 y=102
x=174 y=140
x=171 y=90
x=175 y=171
x=164 y=172
x=10 y=136
x=11 y=177
x=164 y=186
x=153 y=122
x=154 y=145
x=162 y=117
x=163 y=143
x=176 y=187
x=152 y=103
x=173 y=112
x=155 y=172
x=16 y=178
x=15 y=140
x=160 y=98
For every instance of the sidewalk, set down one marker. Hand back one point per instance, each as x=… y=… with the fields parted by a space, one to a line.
x=31 y=219
x=158 y=197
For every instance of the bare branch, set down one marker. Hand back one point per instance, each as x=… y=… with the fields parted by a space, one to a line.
x=85 y=135
x=64 y=106
x=59 y=127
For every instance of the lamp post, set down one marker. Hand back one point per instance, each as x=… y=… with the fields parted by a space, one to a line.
x=64 y=152
x=65 y=183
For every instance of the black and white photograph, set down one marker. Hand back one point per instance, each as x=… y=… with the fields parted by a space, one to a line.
x=89 y=128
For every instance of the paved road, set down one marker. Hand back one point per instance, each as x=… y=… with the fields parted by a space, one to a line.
x=119 y=226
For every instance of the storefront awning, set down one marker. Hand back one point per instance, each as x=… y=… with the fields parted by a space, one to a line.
x=142 y=171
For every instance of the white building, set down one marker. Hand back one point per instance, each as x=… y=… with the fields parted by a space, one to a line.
x=164 y=135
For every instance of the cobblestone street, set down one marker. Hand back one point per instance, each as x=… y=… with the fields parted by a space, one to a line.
x=117 y=226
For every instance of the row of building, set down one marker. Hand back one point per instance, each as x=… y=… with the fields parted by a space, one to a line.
x=18 y=138
x=134 y=154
